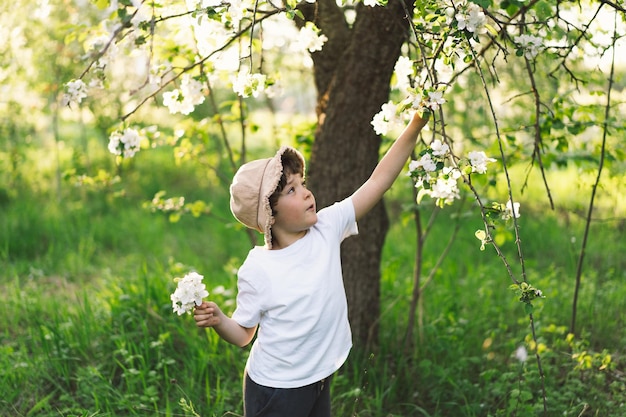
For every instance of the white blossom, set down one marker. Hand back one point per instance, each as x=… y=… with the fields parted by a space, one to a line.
x=415 y=100
x=473 y=19
x=404 y=70
x=479 y=161
x=531 y=45
x=237 y=10
x=185 y=99
x=451 y=172
x=435 y=99
x=386 y=118
x=189 y=293
x=511 y=210
x=126 y=143
x=381 y=126
x=439 y=148
x=247 y=85
x=521 y=354
x=425 y=162
x=310 y=38
x=446 y=190
x=75 y=92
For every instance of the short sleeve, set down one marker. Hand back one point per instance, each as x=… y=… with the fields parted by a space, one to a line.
x=340 y=217
x=351 y=227
x=248 y=311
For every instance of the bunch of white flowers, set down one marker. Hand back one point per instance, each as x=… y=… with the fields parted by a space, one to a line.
x=434 y=179
x=189 y=293
x=510 y=210
x=185 y=99
x=421 y=101
x=478 y=161
x=246 y=84
x=472 y=19
x=404 y=71
x=311 y=38
x=126 y=143
x=386 y=119
x=530 y=45
x=237 y=10
x=75 y=92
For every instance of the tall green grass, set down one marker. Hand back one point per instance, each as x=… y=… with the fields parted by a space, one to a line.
x=86 y=326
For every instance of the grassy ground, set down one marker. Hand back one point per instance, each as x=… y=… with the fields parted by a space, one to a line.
x=86 y=327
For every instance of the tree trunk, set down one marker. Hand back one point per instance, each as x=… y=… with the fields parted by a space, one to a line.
x=352 y=75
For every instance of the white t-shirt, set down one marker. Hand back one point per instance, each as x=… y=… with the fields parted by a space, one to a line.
x=296 y=296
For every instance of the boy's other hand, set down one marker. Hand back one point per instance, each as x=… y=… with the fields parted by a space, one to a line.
x=207 y=314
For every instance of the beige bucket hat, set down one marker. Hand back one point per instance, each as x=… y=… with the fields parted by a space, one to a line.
x=253 y=184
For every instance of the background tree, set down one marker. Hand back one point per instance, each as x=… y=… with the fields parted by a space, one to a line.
x=352 y=77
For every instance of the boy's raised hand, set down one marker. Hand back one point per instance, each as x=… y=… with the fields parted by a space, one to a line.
x=388 y=167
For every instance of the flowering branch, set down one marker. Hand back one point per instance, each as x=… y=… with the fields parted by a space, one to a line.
x=525 y=298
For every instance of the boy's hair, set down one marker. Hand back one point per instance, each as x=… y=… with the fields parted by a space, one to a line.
x=292 y=164
x=255 y=182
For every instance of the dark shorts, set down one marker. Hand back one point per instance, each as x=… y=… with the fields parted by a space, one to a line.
x=308 y=401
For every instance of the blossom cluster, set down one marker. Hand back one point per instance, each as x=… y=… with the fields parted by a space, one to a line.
x=441 y=187
x=310 y=38
x=530 y=45
x=390 y=115
x=478 y=161
x=510 y=210
x=189 y=293
x=246 y=84
x=75 y=92
x=435 y=179
x=472 y=19
x=126 y=143
x=184 y=99
x=167 y=205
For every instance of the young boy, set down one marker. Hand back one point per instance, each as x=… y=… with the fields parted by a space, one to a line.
x=291 y=289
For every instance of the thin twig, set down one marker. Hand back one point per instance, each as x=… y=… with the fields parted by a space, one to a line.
x=605 y=128
x=515 y=225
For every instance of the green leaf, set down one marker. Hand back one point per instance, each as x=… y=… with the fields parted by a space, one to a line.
x=101 y=4
x=485 y=4
x=491 y=29
x=528 y=308
x=44 y=402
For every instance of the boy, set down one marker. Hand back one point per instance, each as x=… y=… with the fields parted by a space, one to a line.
x=291 y=289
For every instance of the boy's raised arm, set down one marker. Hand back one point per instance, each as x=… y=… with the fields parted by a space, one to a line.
x=388 y=168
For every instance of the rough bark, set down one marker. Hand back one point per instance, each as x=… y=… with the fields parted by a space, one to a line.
x=352 y=75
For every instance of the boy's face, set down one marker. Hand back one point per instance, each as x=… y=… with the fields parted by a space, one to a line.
x=295 y=210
